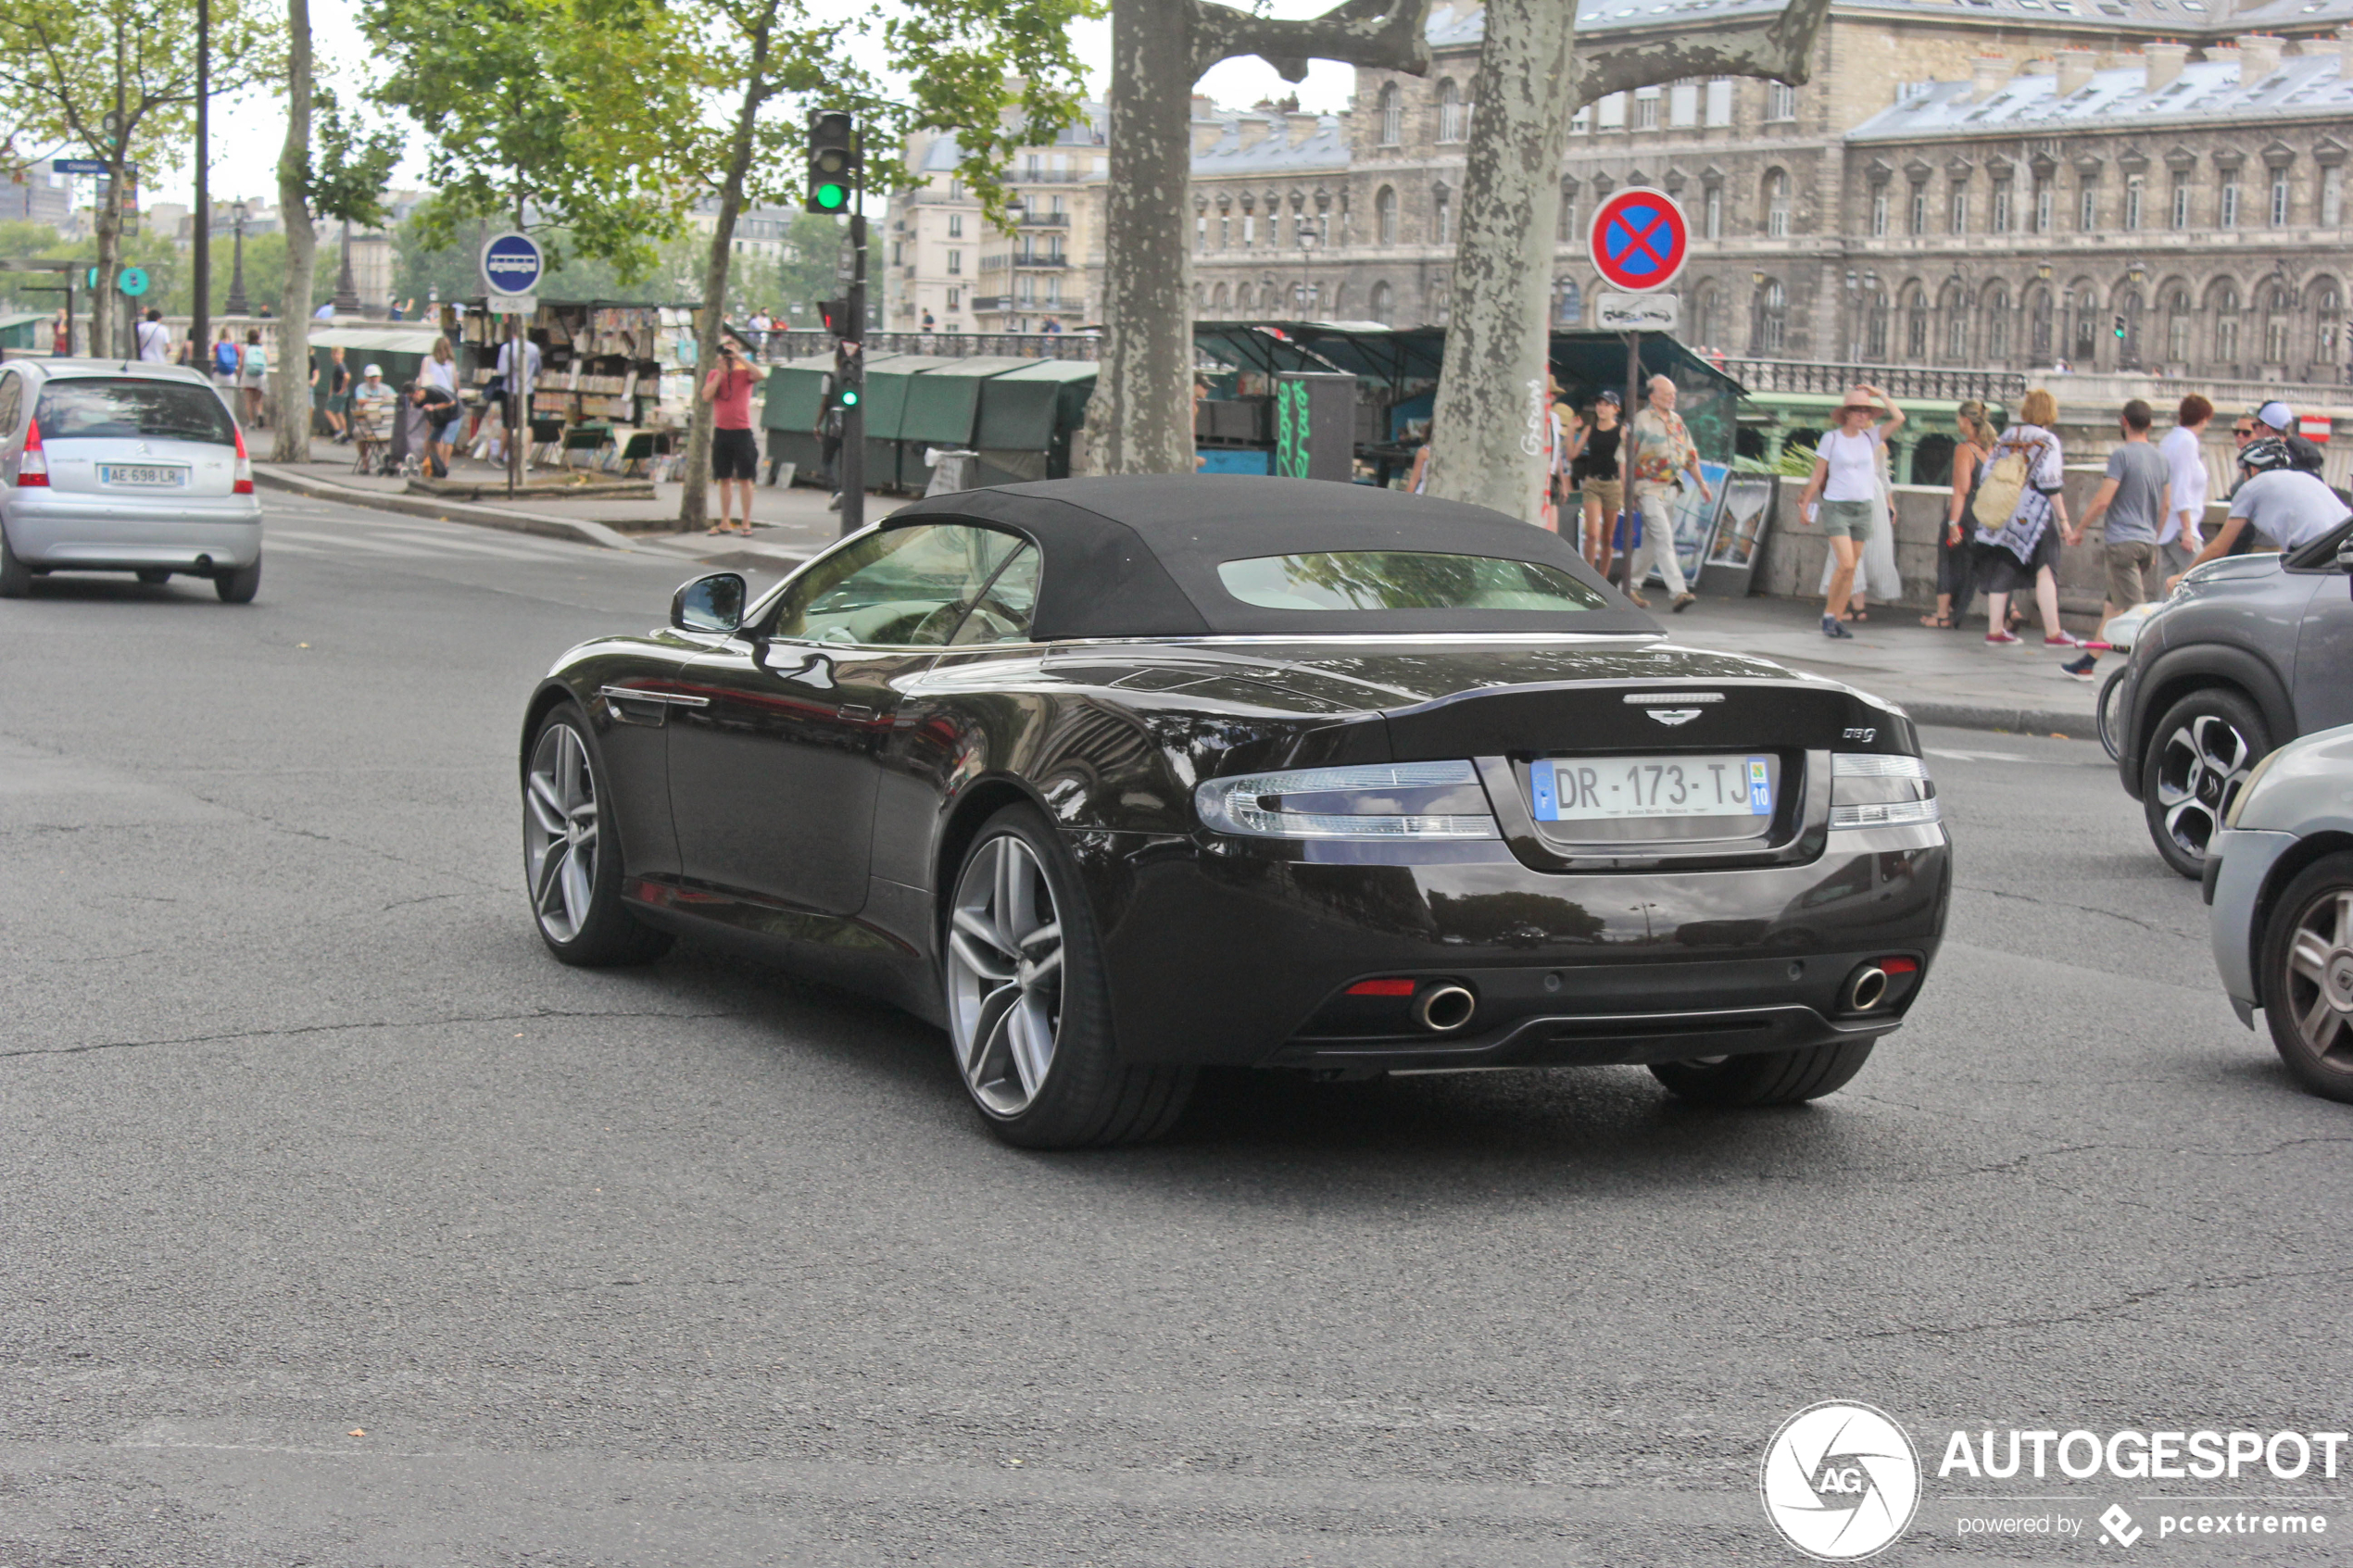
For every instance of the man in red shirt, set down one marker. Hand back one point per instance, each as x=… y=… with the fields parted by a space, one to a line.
x=735 y=451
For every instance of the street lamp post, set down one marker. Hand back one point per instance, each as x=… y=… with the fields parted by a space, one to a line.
x=235 y=305
x=346 y=291
x=1309 y=234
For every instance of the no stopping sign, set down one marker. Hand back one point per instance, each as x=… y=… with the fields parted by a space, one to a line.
x=1639 y=240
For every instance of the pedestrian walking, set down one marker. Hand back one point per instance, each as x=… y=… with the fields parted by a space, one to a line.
x=154 y=339
x=2135 y=499
x=338 y=377
x=61 y=335
x=253 y=371
x=1955 y=557
x=1661 y=452
x=440 y=407
x=1599 y=483
x=2179 y=541
x=226 y=357
x=440 y=372
x=735 y=451
x=2017 y=515
x=1843 y=489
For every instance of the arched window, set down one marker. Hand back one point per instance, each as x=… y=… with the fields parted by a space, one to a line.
x=1218 y=301
x=1567 y=231
x=1703 y=315
x=1875 y=333
x=2224 y=302
x=1201 y=297
x=2085 y=306
x=2041 y=346
x=1338 y=308
x=1383 y=303
x=1441 y=207
x=1441 y=299
x=2178 y=316
x=1955 y=325
x=2130 y=306
x=1776 y=204
x=1916 y=324
x=1393 y=116
x=1450 y=123
x=2279 y=321
x=1768 y=329
x=1241 y=301
x=1568 y=302
x=2328 y=334
x=1385 y=216
x=1997 y=323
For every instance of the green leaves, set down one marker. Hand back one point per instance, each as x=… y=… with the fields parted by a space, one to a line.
x=348 y=168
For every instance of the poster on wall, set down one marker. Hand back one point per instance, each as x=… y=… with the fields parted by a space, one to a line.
x=1734 y=549
x=1694 y=519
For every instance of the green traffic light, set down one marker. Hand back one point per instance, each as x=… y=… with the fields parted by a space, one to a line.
x=833 y=197
x=850 y=397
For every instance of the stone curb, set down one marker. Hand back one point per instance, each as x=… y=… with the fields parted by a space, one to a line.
x=2015 y=720
x=579 y=531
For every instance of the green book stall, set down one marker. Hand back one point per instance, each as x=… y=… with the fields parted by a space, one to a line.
x=791 y=398
x=891 y=379
x=943 y=410
x=1028 y=419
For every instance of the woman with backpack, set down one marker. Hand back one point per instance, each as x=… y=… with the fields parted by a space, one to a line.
x=227 y=358
x=2017 y=515
x=253 y=370
x=1956 y=561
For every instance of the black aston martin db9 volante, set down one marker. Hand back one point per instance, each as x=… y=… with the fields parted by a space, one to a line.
x=1114 y=779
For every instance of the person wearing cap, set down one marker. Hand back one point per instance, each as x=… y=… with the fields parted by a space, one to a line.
x=1593 y=465
x=2276 y=418
x=1661 y=452
x=1845 y=482
x=2278 y=506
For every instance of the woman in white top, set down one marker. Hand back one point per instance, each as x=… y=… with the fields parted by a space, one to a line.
x=1845 y=480
x=441 y=371
x=2179 y=539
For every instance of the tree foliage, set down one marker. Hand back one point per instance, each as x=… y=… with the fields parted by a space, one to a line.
x=349 y=167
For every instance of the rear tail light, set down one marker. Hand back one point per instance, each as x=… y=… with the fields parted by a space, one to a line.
x=33 y=468
x=1381 y=988
x=244 y=484
x=1870 y=791
x=1386 y=800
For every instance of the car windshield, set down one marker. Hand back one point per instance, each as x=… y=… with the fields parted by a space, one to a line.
x=905 y=588
x=1362 y=579
x=129 y=408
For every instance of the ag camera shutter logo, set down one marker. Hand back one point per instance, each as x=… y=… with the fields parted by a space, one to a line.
x=1840 y=1480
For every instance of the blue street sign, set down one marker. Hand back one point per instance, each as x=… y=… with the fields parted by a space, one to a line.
x=132 y=281
x=512 y=263
x=78 y=165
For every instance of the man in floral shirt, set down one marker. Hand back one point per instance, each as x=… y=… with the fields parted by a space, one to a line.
x=1662 y=453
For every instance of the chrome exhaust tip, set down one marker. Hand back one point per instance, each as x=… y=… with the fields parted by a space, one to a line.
x=1443 y=1009
x=1867 y=989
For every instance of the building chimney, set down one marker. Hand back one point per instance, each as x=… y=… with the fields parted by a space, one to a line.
x=1207 y=134
x=2259 y=57
x=1253 y=129
x=2075 y=70
x=1203 y=106
x=2165 y=62
x=1988 y=75
x=1304 y=126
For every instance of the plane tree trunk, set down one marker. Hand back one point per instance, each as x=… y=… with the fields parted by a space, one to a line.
x=292 y=443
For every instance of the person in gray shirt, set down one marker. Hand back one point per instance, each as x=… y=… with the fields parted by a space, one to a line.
x=2276 y=508
x=2133 y=499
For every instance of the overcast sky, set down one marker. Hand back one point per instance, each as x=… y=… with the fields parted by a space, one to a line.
x=247 y=133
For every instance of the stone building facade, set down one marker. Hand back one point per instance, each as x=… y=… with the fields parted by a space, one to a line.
x=943 y=259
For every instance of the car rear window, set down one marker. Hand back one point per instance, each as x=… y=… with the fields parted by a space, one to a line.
x=115 y=407
x=1362 y=579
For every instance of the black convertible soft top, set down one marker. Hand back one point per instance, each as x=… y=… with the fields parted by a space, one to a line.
x=1138 y=557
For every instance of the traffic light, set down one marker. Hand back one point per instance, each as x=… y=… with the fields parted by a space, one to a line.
x=2119 y=328
x=833 y=160
x=835 y=316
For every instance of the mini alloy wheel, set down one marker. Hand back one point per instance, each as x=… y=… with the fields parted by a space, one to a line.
x=1005 y=975
x=2205 y=748
x=2307 y=977
x=573 y=868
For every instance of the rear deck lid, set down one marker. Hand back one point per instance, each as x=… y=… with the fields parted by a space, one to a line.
x=138 y=437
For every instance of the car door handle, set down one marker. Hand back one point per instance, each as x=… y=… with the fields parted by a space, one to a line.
x=856 y=712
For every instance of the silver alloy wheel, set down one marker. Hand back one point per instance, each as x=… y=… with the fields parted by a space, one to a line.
x=2200 y=772
x=2320 y=977
x=1004 y=974
x=559 y=831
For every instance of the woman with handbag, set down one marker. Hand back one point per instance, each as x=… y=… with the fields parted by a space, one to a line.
x=1955 y=559
x=2017 y=515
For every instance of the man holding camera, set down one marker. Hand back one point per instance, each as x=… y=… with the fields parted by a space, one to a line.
x=735 y=451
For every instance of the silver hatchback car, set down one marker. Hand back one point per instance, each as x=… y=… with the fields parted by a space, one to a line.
x=107 y=466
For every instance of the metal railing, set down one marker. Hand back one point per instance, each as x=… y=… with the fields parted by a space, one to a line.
x=954 y=346
x=1831 y=378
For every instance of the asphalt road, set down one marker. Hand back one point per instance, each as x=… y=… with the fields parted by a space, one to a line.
x=343 y=1226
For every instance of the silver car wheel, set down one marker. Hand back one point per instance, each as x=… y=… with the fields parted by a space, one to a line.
x=2200 y=772
x=1004 y=975
x=2319 y=976
x=559 y=831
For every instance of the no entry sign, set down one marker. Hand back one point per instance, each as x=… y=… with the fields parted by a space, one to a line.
x=1639 y=240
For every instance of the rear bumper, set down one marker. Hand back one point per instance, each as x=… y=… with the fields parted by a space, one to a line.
x=1236 y=958
x=100 y=534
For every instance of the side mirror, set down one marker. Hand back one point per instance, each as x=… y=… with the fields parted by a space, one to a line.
x=709 y=603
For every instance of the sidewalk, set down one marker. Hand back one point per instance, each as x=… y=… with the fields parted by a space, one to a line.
x=1938 y=677
x=791 y=523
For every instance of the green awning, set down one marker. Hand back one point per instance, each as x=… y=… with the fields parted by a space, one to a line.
x=888 y=376
x=794 y=392
x=943 y=403
x=1022 y=409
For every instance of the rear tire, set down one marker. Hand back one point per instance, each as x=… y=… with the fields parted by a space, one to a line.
x=1768 y=1077
x=572 y=857
x=2109 y=720
x=1029 y=1004
x=2199 y=756
x=16 y=578
x=2307 y=976
x=238 y=585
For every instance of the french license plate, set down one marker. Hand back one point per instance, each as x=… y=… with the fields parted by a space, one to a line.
x=135 y=474
x=1603 y=788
